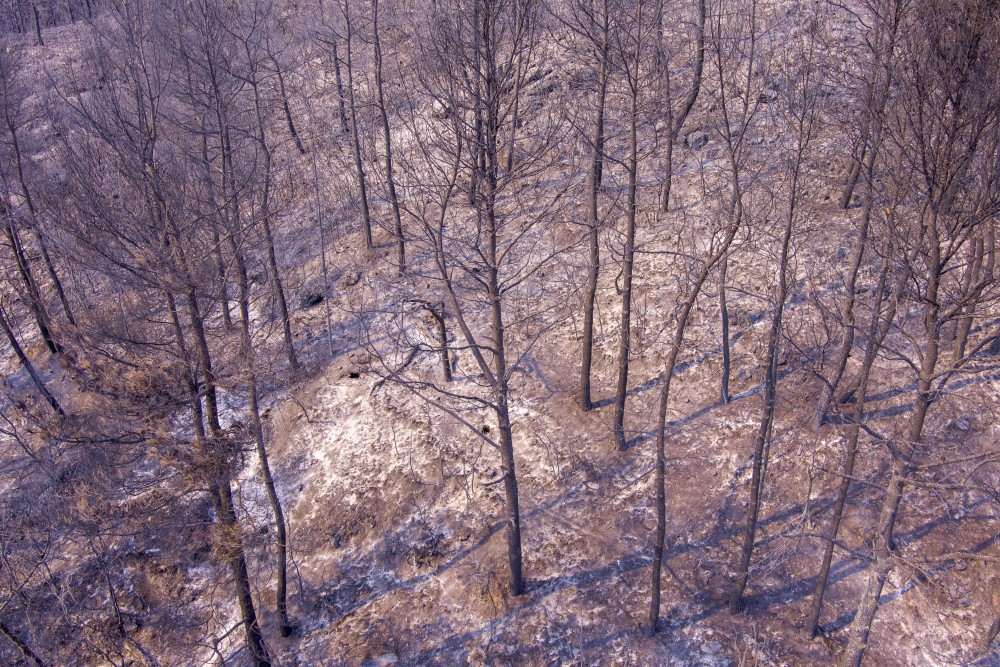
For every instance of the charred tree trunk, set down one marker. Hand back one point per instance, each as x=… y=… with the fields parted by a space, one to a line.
x=285 y=106
x=764 y=430
x=38 y=23
x=876 y=91
x=762 y=440
x=387 y=137
x=265 y=219
x=34 y=295
x=220 y=272
x=677 y=124
x=218 y=457
x=593 y=228
x=257 y=430
x=660 y=464
x=724 y=316
x=366 y=223
x=877 y=331
x=853 y=174
x=490 y=151
x=21 y=646
x=847 y=314
x=29 y=200
x=341 y=103
x=28 y=366
x=437 y=312
x=628 y=260
x=980 y=262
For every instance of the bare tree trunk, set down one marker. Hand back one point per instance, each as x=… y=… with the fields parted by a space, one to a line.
x=847 y=314
x=876 y=91
x=806 y=110
x=257 y=429
x=34 y=296
x=279 y=290
x=366 y=223
x=594 y=226
x=219 y=458
x=724 y=313
x=438 y=313
x=735 y=126
x=865 y=614
x=628 y=259
x=33 y=216
x=387 y=137
x=878 y=329
x=38 y=24
x=284 y=102
x=345 y=128
x=28 y=366
x=901 y=466
x=677 y=124
x=509 y=480
x=220 y=270
x=668 y=372
x=511 y=141
x=272 y=260
x=852 y=176
x=238 y=564
x=974 y=268
x=491 y=156
x=21 y=646
x=764 y=430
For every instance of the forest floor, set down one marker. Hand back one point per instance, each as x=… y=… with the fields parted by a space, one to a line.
x=399 y=540
x=396 y=522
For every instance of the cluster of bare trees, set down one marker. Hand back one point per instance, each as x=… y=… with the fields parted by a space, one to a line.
x=33 y=16
x=657 y=146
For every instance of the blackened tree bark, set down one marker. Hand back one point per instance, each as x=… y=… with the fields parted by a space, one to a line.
x=38 y=23
x=632 y=43
x=390 y=178
x=878 y=328
x=29 y=200
x=802 y=110
x=26 y=363
x=21 y=646
x=257 y=431
x=252 y=78
x=285 y=105
x=329 y=39
x=366 y=223
x=946 y=120
x=875 y=90
x=472 y=56
x=675 y=120
x=592 y=21
x=125 y=123
x=28 y=280
x=735 y=57
x=724 y=320
x=717 y=252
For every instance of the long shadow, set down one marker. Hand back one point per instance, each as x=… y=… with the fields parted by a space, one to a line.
x=800 y=363
x=845 y=619
x=752 y=319
x=536 y=593
x=896 y=410
x=800 y=589
x=646 y=386
x=796 y=590
x=457 y=557
x=747 y=393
